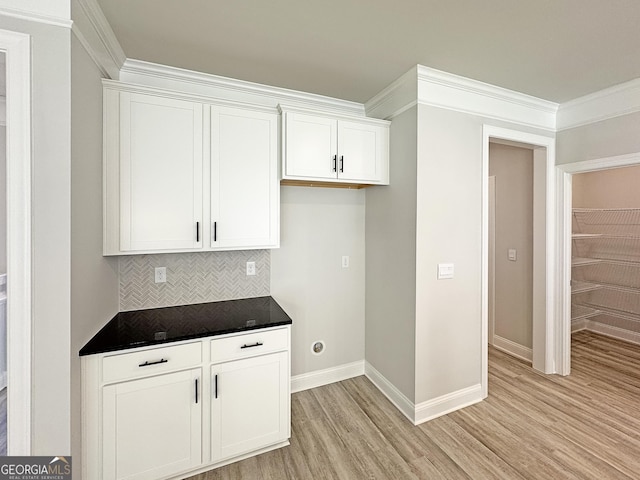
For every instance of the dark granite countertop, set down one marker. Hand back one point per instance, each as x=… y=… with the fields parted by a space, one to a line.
x=142 y=328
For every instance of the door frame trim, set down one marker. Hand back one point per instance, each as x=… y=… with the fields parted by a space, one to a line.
x=17 y=48
x=565 y=202
x=544 y=327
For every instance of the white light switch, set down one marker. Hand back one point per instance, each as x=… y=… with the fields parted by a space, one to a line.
x=513 y=254
x=445 y=270
x=161 y=274
x=345 y=261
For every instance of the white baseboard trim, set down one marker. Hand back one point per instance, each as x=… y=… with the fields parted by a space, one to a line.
x=428 y=410
x=512 y=348
x=389 y=390
x=448 y=403
x=578 y=325
x=614 y=332
x=319 y=378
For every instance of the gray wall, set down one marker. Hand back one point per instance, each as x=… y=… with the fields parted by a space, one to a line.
x=94 y=278
x=448 y=231
x=51 y=239
x=616 y=136
x=326 y=302
x=513 y=169
x=391 y=262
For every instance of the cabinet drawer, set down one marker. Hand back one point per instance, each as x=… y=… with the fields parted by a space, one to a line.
x=248 y=345
x=150 y=362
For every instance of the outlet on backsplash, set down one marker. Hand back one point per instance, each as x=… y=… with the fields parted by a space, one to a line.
x=161 y=274
x=194 y=278
x=251 y=268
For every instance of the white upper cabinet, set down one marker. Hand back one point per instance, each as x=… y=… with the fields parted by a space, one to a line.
x=311 y=146
x=184 y=176
x=244 y=178
x=160 y=173
x=329 y=148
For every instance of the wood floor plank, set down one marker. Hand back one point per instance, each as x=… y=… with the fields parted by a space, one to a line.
x=532 y=426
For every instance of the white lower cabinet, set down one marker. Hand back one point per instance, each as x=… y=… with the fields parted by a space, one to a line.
x=250 y=404
x=169 y=412
x=152 y=426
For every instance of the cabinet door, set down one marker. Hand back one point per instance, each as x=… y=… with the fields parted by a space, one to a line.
x=310 y=146
x=250 y=404
x=244 y=179
x=152 y=427
x=160 y=173
x=360 y=151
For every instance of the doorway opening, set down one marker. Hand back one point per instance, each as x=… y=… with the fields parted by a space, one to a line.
x=511 y=249
x=543 y=337
x=599 y=238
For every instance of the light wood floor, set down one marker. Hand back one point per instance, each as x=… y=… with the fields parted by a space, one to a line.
x=585 y=426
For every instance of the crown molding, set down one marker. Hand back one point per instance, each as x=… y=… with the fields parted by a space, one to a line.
x=428 y=86
x=35 y=17
x=395 y=98
x=609 y=103
x=453 y=92
x=215 y=86
x=92 y=29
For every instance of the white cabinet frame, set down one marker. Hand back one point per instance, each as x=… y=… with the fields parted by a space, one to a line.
x=331 y=148
x=263 y=119
x=101 y=372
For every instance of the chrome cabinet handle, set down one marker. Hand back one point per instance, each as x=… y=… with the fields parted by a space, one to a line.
x=257 y=344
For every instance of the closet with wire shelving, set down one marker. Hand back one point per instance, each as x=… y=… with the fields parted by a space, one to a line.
x=605 y=273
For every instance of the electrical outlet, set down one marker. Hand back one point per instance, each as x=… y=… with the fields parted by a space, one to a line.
x=251 y=268
x=161 y=274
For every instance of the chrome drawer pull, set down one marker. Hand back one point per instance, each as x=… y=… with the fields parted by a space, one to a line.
x=147 y=363
x=257 y=344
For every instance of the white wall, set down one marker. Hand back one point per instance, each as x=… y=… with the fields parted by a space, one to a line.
x=51 y=226
x=94 y=278
x=326 y=302
x=616 y=136
x=391 y=262
x=513 y=171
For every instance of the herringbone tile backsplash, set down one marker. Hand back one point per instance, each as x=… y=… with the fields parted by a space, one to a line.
x=192 y=278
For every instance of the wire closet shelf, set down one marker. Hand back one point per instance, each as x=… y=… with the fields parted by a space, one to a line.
x=606 y=268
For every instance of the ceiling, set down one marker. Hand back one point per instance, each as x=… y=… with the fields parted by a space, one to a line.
x=351 y=49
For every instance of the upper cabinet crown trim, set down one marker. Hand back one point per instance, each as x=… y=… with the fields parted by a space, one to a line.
x=360 y=118
x=215 y=86
x=181 y=95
